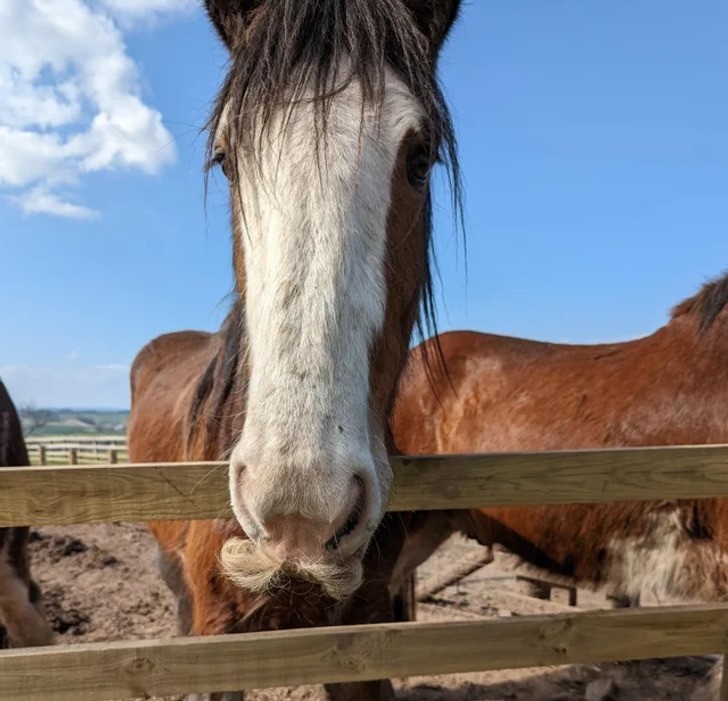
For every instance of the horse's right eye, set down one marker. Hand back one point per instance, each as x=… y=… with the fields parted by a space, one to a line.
x=218 y=159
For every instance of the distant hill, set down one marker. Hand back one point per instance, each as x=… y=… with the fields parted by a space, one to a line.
x=60 y=422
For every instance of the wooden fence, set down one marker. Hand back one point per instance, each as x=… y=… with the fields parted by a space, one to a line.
x=77 y=450
x=101 y=671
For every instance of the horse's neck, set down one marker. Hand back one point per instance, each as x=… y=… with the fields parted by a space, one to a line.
x=691 y=378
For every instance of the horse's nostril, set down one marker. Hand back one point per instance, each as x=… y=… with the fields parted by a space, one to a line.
x=352 y=521
x=344 y=531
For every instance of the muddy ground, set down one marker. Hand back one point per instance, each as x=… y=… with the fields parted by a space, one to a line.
x=100 y=583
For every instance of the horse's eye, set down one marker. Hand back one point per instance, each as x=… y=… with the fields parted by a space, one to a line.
x=218 y=159
x=418 y=166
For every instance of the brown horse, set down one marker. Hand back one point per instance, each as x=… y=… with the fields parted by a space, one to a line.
x=510 y=394
x=23 y=620
x=326 y=128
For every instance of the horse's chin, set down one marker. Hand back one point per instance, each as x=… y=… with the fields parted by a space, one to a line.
x=253 y=568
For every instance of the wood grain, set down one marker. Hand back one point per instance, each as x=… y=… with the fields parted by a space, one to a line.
x=101 y=671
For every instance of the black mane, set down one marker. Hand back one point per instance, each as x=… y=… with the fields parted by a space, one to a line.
x=219 y=399
x=707 y=303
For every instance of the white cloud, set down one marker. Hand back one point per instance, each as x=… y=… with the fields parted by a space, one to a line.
x=70 y=99
x=139 y=8
x=87 y=386
x=40 y=201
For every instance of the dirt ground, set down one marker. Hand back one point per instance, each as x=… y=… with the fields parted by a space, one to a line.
x=100 y=583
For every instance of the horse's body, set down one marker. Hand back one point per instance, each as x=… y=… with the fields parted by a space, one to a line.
x=326 y=128
x=510 y=394
x=23 y=621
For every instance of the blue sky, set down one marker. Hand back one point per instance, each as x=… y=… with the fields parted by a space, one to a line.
x=594 y=145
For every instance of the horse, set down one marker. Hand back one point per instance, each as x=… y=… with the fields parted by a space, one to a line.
x=496 y=393
x=23 y=621
x=326 y=127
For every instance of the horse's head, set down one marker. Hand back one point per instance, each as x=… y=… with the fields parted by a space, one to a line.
x=326 y=127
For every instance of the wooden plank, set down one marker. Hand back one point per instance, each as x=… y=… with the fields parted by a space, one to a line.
x=88 y=494
x=83 y=437
x=103 y=671
x=92 y=494
x=559 y=477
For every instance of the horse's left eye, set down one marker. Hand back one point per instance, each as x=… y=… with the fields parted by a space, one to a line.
x=418 y=167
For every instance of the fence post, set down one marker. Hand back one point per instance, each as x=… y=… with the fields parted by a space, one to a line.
x=113 y=456
x=73 y=456
x=42 y=457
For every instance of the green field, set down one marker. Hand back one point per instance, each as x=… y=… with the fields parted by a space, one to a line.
x=64 y=422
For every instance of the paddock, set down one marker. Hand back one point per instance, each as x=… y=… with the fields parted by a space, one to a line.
x=48 y=496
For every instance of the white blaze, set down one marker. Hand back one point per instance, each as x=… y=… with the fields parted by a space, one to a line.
x=314 y=238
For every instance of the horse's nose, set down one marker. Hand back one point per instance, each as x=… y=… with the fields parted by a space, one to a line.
x=305 y=516
x=296 y=537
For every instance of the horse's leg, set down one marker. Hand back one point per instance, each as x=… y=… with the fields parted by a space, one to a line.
x=35 y=596
x=622 y=601
x=170 y=567
x=711 y=689
x=21 y=612
x=24 y=625
x=404 y=602
x=380 y=690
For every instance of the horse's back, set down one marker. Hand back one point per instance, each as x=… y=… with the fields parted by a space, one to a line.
x=163 y=376
x=498 y=393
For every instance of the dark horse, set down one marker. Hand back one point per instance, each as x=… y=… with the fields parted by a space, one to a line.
x=22 y=615
x=510 y=394
x=326 y=127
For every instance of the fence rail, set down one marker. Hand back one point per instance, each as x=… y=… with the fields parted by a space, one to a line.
x=137 y=492
x=100 y=671
x=77 y=450
x=96 y=672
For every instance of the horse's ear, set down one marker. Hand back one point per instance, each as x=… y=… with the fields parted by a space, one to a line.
x=434 y=18
x=228 y=17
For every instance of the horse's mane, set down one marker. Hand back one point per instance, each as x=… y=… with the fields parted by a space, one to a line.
x=214 y=389
x=293 y=50
x=707 y=303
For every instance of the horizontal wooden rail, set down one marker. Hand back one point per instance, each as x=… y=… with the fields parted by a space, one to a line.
x=66 y=445
x=101 y=671
x=88 y=494
x=80 y=437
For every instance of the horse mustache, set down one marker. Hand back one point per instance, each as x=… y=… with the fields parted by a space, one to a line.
x=255 y=569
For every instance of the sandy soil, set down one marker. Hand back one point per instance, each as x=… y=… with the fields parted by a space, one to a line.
x=100 y=583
